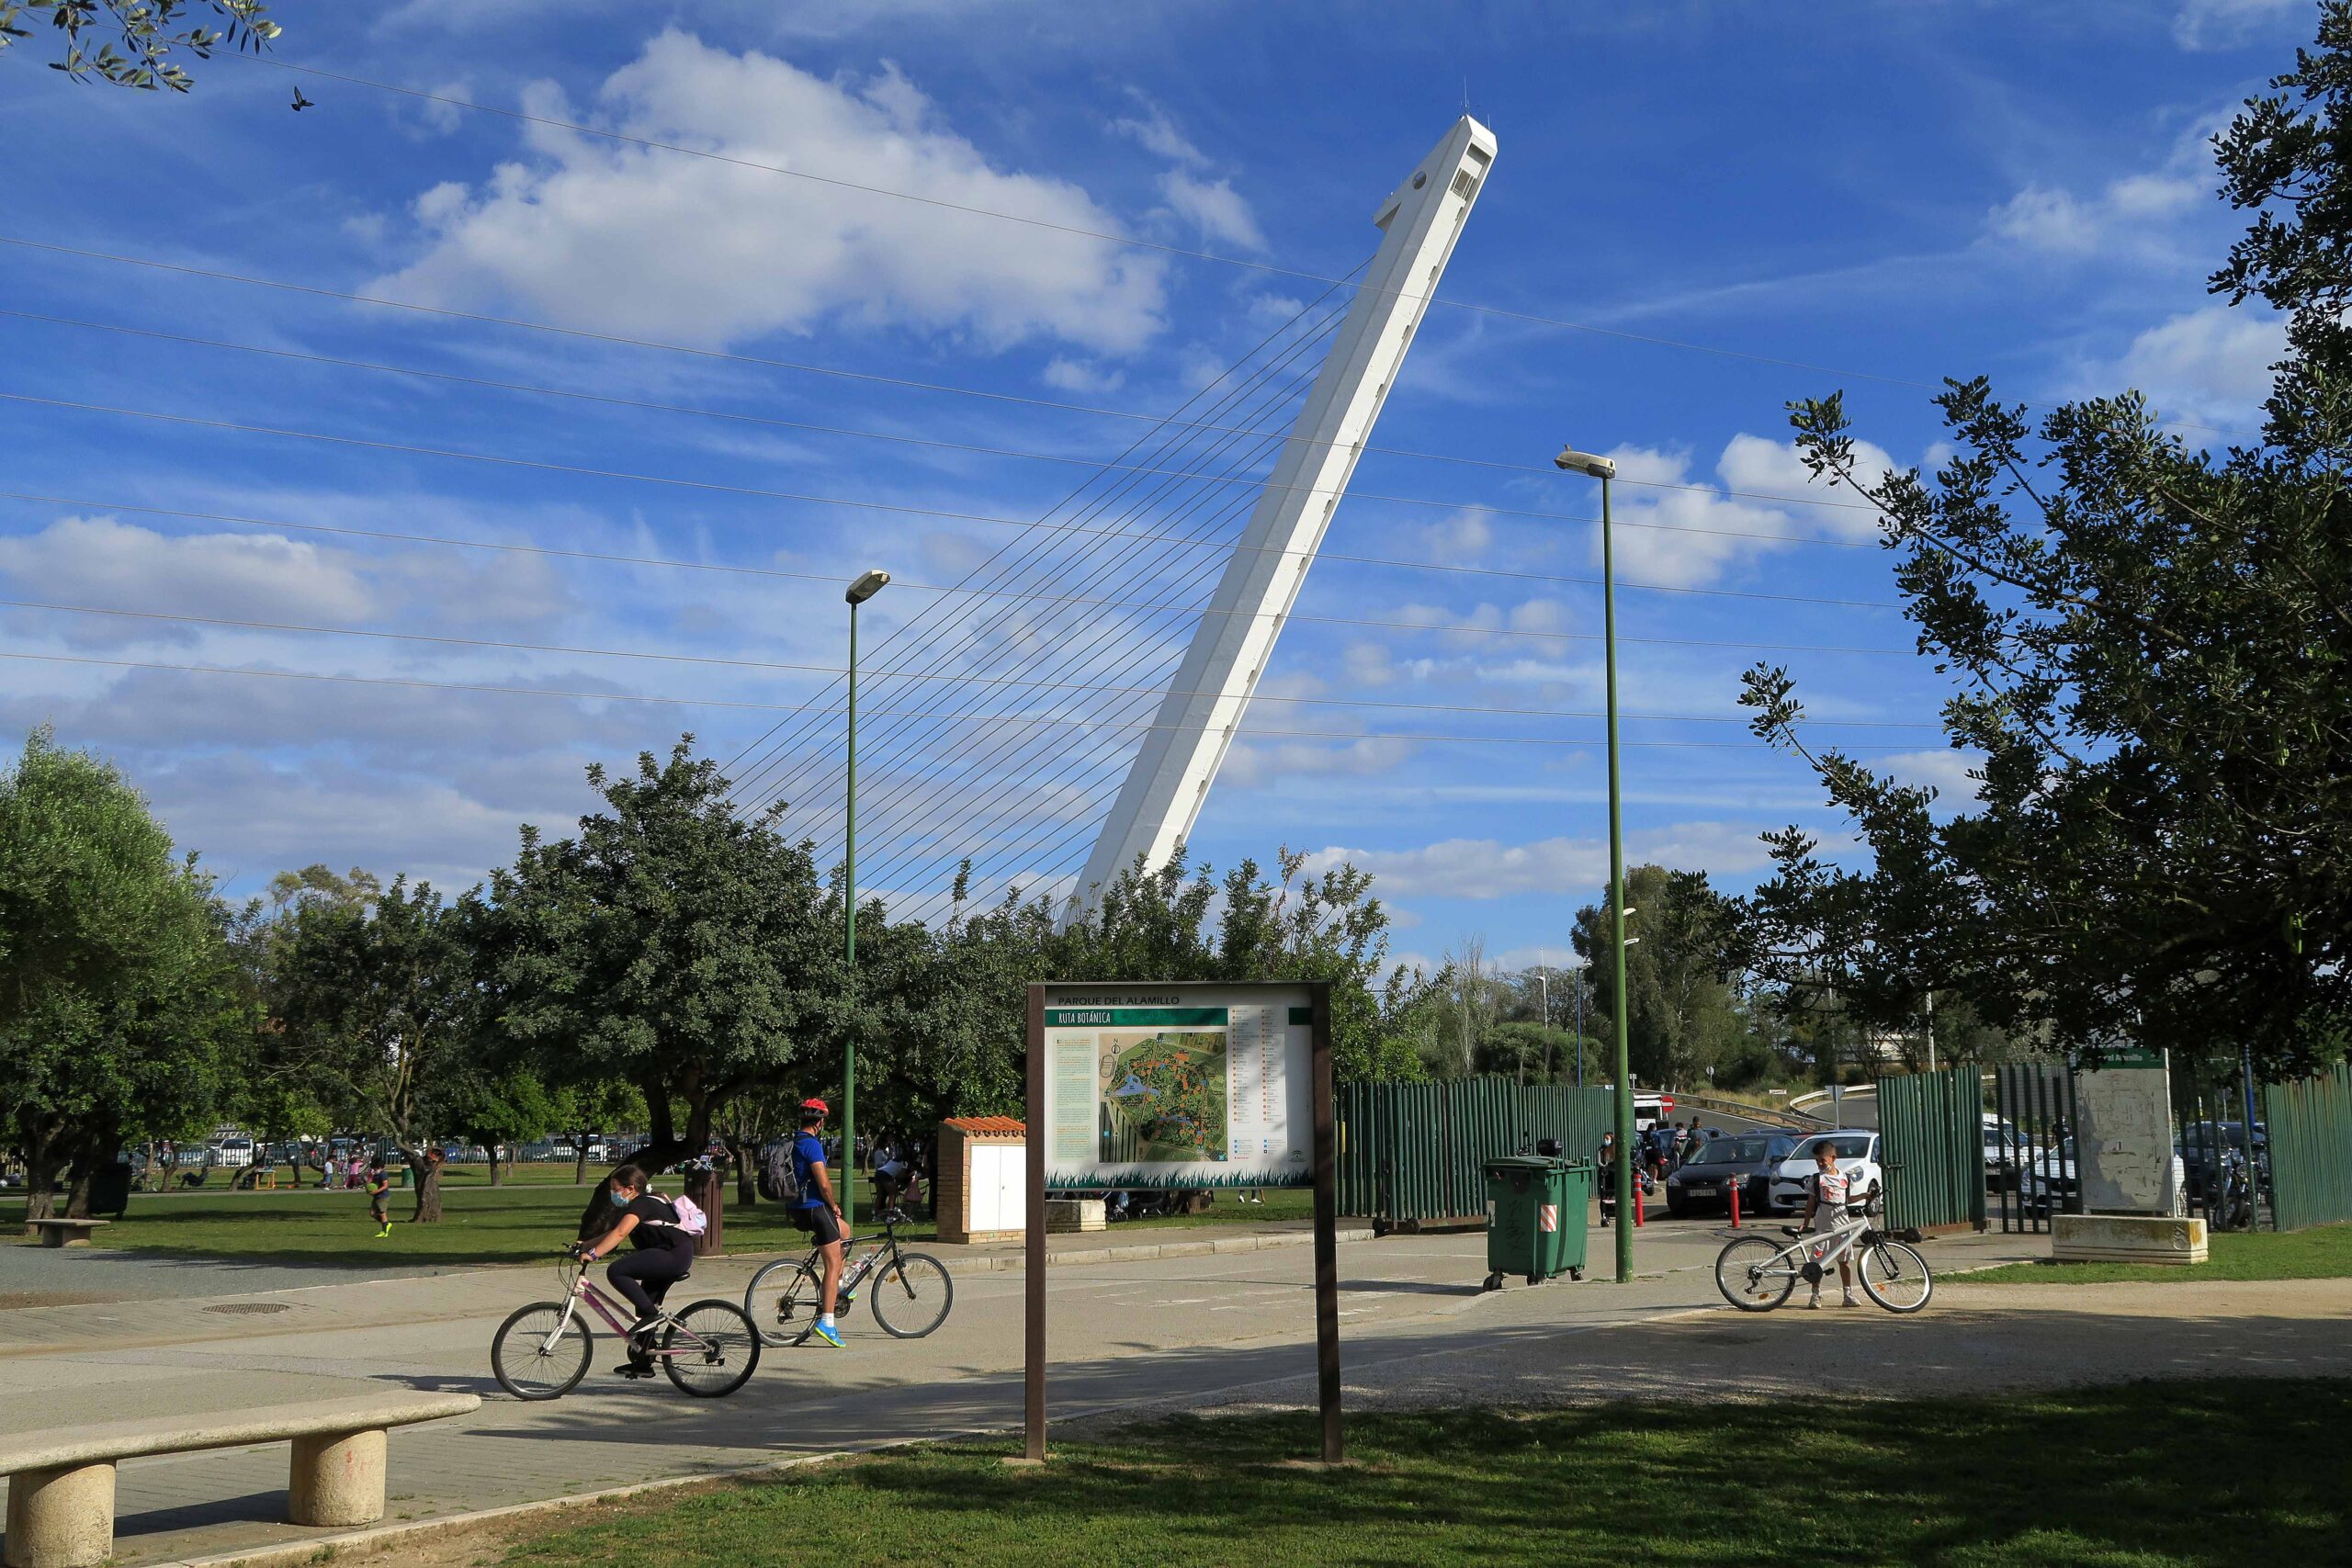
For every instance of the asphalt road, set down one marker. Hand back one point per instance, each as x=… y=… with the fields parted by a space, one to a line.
x=1171 y=1330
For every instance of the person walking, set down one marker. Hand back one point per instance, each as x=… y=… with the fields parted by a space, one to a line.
x=819 y=1213
x=379 y=1192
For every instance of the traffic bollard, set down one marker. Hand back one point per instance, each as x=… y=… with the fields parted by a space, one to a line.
x=1735 y=1205
x=1637 y=1205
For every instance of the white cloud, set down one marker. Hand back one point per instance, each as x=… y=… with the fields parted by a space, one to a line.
x=1158 y=134
x=99 y=561
x=1252 y=764
x=1079 y=376
x=1945 y=771
x=1697 y=531
x=2138 y=214
x=1212 y=207
x=1462 y=535
x=2212 y=364
x=105 y=563
x=1486 y=868
x=650 y=242
x=2225 y=24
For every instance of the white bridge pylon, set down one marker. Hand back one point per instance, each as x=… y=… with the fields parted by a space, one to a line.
x=1166 y=788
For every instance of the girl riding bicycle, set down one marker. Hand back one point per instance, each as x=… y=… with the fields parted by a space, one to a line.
x=663 y=1253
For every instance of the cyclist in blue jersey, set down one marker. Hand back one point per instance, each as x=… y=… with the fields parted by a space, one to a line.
x=820 y=1212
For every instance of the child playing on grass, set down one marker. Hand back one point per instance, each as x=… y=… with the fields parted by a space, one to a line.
x=380 y=1189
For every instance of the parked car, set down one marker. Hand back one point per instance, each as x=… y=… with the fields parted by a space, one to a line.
x=1858 y=1156
x=2048 y=1184
x=2004 y=1145
x=1746 y=1160
x=2200 y=1145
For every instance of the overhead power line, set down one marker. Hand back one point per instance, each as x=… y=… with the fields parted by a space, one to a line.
x=905 y=585
x=958 y=679
x=1107 y=235
x=1440 y=503
x=932 y=512
x=803 y=367
x=1011 y=719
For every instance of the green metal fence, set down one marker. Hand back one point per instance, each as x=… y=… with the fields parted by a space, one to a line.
x=1413 y=1151
x=2310 y=1129
x=1931 y=1145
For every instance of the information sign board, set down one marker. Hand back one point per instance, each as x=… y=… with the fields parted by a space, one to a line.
x=1178 y=1087
x=1182 y=1085
x=2122 y=1150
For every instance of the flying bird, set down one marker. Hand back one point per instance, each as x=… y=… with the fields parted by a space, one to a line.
x=300 y=103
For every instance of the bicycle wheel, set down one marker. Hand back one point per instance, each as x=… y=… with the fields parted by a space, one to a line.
x=538 y=1354
x=1752 y=1275
x=1895 y=1276
x=711 y=1351
x=781 y=1301
x=911 y=1298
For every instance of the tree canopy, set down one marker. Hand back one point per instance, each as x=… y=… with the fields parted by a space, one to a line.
x=121 y=1000
x=2148 y=643
x=130 y=42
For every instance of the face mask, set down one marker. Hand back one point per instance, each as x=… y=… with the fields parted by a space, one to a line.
x=615 y=1199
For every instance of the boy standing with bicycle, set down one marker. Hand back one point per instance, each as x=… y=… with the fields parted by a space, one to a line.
x=819 y=1212
x=1832 y=1190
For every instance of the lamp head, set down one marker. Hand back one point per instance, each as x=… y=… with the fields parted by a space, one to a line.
x=867 y=587
x=1590 y=463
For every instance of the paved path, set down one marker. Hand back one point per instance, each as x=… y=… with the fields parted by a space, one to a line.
x=1122 y=1333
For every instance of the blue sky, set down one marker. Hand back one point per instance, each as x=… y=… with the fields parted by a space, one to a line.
x=1892 y=192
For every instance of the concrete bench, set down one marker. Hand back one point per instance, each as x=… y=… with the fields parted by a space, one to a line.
x=67 y=1233
x=1065 y=1215
x=60 y=1486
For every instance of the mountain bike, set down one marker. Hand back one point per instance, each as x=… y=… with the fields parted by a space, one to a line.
x=911 y=1291
x=707 y=1348
x=1756 y=1273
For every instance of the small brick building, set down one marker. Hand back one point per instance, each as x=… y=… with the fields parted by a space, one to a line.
x=982 y=1191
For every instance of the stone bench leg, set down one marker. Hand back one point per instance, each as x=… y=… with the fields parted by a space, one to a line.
x=60 y=1518
x=338 y=1479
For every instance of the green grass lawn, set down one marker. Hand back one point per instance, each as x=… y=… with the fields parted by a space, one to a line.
x=2324 y=1252
x=480 y=1223
x=520 y=1221
x=2111 y=1476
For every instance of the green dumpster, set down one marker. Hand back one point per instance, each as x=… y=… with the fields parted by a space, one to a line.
x=1535 y=1217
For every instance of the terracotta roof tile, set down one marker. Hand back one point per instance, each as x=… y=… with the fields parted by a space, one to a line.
x=996 y=1125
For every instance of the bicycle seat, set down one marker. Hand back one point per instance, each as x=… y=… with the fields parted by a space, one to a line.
x=1793 y=1230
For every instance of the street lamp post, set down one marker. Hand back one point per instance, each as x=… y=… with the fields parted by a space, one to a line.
x=1603 y=468
x=865 y=588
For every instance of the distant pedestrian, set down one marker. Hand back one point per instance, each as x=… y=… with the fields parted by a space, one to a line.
x=379 y=1192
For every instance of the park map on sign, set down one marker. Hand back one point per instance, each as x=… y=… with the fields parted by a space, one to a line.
x=1168 y=1090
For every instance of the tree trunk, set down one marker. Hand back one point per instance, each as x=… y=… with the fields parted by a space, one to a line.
x=497 y=1171
x=425 y=1171
x=41 y=1165
x=580 y=1162
x=747 y=1175
x=662 y=1148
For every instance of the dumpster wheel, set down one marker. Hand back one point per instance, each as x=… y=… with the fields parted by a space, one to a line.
x=1494 y=1281
x=1576 y=1273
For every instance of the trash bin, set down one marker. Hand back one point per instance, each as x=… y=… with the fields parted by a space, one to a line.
x=1535 y=1209
x=110 y=1188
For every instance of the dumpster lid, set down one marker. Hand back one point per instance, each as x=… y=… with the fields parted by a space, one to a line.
x=1524 y=1162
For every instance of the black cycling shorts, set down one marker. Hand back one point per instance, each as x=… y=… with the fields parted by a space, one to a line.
x=824 y=1228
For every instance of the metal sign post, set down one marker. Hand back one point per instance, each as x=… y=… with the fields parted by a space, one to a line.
x=1174 y=1086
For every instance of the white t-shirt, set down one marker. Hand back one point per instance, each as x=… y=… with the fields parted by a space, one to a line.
x=1834 y=1188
